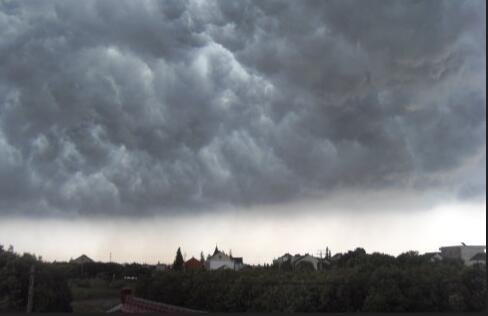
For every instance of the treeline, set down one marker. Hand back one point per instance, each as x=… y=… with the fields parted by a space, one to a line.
x=51 y=289
x=107 y=271
x=355 y=282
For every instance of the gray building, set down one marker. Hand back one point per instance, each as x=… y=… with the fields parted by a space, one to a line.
x=82 y=259
x=469 y=254
x=301 y=261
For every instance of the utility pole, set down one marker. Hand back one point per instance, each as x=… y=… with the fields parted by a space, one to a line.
x=30 y=295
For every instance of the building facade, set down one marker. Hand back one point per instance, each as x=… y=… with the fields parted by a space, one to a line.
x=468 y=254
x=297 y=262
x=82 y=259
x=219 y=260
x=193 y=264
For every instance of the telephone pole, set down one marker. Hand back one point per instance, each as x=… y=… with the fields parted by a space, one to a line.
x=30 y=295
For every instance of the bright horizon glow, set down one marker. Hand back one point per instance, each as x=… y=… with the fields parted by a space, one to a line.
x=257 y=238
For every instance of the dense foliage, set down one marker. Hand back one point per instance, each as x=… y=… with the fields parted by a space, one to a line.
x=103 y=270
x=54 y=282
x=51 y=292
x=179 y=262
x=355 y=282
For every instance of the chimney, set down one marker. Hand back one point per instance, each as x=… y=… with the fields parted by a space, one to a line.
x=124 y=294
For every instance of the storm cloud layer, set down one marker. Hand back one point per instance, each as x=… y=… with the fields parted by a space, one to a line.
x=145 y=107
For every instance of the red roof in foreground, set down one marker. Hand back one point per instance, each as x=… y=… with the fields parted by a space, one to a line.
x=139 y=305
x=131 y=304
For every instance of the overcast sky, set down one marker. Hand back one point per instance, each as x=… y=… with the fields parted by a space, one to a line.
x=159 y=111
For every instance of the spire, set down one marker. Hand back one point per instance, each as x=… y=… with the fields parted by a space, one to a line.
x=216 y=250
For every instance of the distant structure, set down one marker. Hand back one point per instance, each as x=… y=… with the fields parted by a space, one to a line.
x=298 y=262
x=468 y=254
x=479 y=258
x=219 y=260
x=193 y=264
x=433 y=256
x=162 y=267
x=82 y=259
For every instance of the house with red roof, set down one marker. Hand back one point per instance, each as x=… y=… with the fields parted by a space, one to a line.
x=193 y=264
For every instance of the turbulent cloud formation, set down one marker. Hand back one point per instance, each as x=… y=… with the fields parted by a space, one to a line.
x=143 y=107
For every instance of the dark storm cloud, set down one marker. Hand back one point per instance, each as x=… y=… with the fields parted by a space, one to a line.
x=138 y=107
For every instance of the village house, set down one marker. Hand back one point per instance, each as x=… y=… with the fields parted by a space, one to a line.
x=193 y=264
x=219 y=260
x=297 y=262
x=433 y=256
x=479 y=258
x=82 y=259
x=468 y=254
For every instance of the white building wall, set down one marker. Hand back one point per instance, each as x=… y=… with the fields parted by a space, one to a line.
x=215 y=264
x=467 y=252
x=463 y=252
x=312 y=260
x=221 y=260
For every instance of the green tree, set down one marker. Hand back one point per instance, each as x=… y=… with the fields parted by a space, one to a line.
x=474 y=280
x=358 y=282
x=179 y=262
x=51 y=291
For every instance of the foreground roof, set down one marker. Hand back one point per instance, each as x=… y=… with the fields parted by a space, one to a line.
x=132 y=304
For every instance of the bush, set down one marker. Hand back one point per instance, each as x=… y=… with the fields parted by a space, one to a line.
x=51 y=292
x=357 y=282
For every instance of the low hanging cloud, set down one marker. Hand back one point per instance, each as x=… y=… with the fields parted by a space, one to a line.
x=149 y=107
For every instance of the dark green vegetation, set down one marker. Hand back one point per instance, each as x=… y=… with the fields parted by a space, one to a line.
x=62 y=286
x=95 y=294
x=51 y=290
x=355 y=282
x=178 y=264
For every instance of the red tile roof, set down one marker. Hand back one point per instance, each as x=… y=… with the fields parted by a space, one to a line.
x=132 y=304
x=193 y=264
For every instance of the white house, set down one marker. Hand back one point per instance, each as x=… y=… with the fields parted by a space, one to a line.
x=433 y=256
x=298 y=261
x=469 y=254
x=219 y=260
x=479 y=258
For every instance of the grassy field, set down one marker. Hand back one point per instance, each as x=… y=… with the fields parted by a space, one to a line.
x=95 y=295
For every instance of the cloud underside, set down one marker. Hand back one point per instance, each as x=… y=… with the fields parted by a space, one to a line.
x=143 y=107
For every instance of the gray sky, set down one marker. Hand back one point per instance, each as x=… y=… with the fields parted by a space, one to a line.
x=127 y=110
